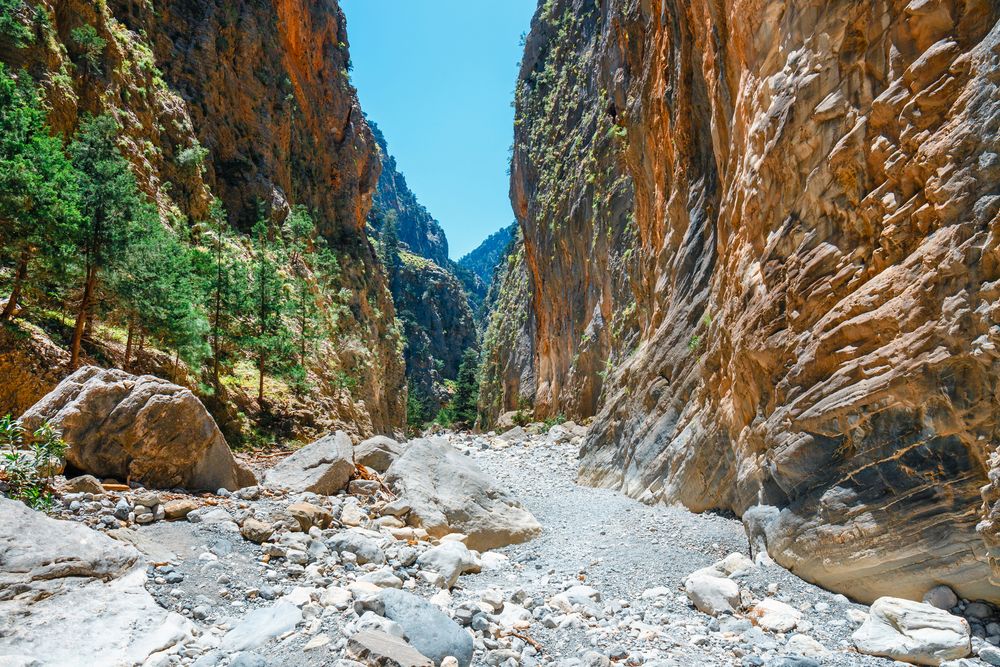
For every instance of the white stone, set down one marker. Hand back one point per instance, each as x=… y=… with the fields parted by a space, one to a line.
x=712 y=595
x=775 y=616
x=913 y=632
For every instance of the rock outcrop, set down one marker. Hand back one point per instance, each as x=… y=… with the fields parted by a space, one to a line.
x=323 y=467
x=447 y=493
x=139 y=428
x=62 y=579
x=482 y=263
x=814 y=265
x=250 y=103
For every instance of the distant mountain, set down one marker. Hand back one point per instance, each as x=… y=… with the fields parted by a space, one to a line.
x=477 y=268
x=421 y=233
x=485 y=258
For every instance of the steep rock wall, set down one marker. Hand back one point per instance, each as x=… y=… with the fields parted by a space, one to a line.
x=264 y=86
x=816 y=194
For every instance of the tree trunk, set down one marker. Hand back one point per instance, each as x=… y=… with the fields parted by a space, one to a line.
x=128 y=344
x=260 y=382
x=82 y=316
x=15 y=290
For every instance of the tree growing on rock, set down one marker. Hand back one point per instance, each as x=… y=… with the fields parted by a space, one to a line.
x=38 y=195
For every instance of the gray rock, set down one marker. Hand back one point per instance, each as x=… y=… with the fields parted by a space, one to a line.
x=712 y=595
x=324 y=467
x=77 y=583
x=377 y=453
x=990 y=655
x=140 y=428
x=447 y=493
x=372 y=647
x=248 y=659
x=941 y=597
x=427 y=628
x=261 y=626
x=365 y=548
x=450 y=560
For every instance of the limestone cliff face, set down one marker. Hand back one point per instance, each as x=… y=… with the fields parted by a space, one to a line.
x=415 y=226
x=816 y=274
x=430 y=300
x=264 y=87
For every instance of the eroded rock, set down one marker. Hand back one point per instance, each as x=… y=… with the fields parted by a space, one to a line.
x=323 y=467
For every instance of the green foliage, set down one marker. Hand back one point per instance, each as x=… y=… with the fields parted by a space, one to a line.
x=26 y=469
x=418 y=408
x=271 y=340
x=464 y=405
x=39 y=199
x=388 y=249
x=11 y=25
x=191 y=160
x=91 y=47
x=694 y=343
x=555 y=421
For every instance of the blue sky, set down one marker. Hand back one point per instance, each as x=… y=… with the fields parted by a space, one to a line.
x=438 y=78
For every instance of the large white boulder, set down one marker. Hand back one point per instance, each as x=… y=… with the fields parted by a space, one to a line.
x=70 y=595
x=324 y=467
x=140 y=429
x=447 y=493
x=912 y=632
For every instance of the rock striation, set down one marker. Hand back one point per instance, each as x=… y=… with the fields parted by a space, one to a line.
x=808 y=290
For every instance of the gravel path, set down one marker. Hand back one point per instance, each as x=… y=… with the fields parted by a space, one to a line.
x=622 y=548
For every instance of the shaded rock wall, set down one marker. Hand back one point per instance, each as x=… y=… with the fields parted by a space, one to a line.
x=816 y=188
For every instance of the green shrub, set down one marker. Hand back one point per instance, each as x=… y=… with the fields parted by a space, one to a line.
x=192 y=158
x=11 y=26
x=91 y=46
x=26 y=473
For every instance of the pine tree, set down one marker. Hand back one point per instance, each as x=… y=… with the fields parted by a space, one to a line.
x=110 y=202
x=303 y=262
x=464 y=404
x=272 y=341
x=38 y=196
x=389 y=244
x=153 y=289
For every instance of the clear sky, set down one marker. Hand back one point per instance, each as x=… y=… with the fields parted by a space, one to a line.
x=438 y=77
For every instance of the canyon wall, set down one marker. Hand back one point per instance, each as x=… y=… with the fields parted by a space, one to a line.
x=264 y=87
x=430 y=298
x=814 y=265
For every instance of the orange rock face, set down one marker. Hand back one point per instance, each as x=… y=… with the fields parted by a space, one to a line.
x=816 y=277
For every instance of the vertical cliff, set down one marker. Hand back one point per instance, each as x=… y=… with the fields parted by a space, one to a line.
x=264 y=88
x=814 y=265
x=430 y=299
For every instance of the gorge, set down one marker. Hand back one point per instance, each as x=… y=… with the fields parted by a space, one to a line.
x=727 y=392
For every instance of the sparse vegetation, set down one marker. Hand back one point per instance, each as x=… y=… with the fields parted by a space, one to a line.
x=30 y=461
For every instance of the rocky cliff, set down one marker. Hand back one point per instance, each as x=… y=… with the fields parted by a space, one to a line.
x=264 y=88
x=814 y=265
x=480 y=266
x=429 y=295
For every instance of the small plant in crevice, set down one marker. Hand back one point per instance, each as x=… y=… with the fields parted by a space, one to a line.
x=29 y=462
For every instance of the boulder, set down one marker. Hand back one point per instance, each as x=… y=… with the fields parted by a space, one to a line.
x=371 y=647
x=377 y=453
x=308 y=515
x=775 y=616
x=941 y=597
x=256 y=531
x=365 y=548
x=84 y=484
x=450 y=560
x=62 y=579
x=179 y=509
x=912 y=632
x=139 y=428
x=447 y=493
x=712 y=595
x=426 y=627
x=324 y=467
